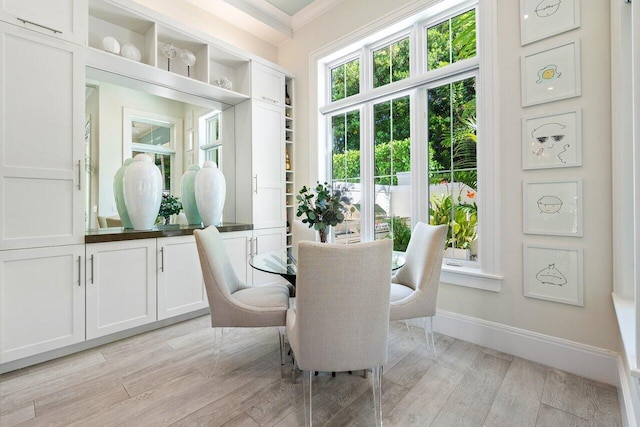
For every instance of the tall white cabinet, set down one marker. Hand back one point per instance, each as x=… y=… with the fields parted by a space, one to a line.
x=41 y=140
x=260 y=152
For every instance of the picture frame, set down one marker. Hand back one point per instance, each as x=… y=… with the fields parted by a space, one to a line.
x=552 y=140
x=551 y=74
x=540 y=19
x=554 y=274
x=552 y=207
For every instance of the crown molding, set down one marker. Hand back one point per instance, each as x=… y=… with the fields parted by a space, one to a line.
x=266 y=13
x=311 y=12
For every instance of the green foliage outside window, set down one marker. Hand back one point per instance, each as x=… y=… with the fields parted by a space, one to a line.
x=345 y=80
x=452 y=40
x=391 y=63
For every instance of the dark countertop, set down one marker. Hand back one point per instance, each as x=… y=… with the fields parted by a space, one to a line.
x=115 y=234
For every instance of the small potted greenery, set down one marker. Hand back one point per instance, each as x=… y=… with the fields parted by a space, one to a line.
x=462 y=224
x=323 y=207
x=169 y=205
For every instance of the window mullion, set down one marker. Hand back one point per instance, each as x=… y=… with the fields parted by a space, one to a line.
x=367 y=217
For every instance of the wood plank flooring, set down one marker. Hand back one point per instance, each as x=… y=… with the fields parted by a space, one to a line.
x=168 y=378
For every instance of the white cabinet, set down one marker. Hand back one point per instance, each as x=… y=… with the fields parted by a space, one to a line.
x=41 y=300
x=238 y=245
x=260 y=158
x=121 y=286
x=41 y=140
x=64 y=19
x=267 y=240
x=267 y=84
x=241 y=245
x=180 y=285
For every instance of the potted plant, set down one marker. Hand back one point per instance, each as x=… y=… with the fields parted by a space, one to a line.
x=462 y=224
x=169 y=205
x=323 y=207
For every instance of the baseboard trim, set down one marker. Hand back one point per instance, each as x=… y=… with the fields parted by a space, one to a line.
x=579 y=359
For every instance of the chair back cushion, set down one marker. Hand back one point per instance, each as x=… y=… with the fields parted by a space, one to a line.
x=342 y=305
x=423 y=259
x=220 y=278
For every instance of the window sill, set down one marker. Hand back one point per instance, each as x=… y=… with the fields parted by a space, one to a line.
x=470 y=277
x=626 y=315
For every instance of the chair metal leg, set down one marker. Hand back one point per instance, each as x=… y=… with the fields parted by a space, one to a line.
x=377 y=394
x=307 y=381
x=281 y=334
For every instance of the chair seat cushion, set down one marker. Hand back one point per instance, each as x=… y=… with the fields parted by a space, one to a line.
x=399 y=292
x=271 y=296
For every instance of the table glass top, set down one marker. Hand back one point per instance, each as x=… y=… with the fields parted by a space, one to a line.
x=283 y=262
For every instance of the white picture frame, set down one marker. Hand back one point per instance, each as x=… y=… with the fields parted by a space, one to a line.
x=551 y=74
x=540 y=19
x=552 y=140
x=554 y=274
x=552 y=207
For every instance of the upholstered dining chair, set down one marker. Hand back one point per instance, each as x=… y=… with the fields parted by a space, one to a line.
x=234 y=304
x=301 y=232
x=341 y=319
x=414 y=287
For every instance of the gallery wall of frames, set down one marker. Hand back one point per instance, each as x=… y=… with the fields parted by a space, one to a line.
x=553 y=266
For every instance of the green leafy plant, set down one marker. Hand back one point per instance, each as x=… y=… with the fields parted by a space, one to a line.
x=169 y=205
x=401 y=233
x=323 y=207
x=462 y=219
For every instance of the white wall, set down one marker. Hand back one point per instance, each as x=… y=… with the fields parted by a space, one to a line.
x=594 y=324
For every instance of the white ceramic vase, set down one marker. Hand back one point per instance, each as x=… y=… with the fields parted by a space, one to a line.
x=188 y=194
x=210 y=189
x=118 y=192
x=142 y=185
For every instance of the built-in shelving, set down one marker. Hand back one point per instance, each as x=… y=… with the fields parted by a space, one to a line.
x=217 y=73
x=289 y=136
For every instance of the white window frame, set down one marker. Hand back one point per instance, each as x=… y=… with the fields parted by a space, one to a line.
x=486 y=274
x=129 y=115
x=203 y=133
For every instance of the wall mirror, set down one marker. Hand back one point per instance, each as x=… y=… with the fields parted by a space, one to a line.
x=125 y=117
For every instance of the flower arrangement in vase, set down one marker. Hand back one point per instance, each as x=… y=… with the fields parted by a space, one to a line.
x=323 y=207
x=169 y=205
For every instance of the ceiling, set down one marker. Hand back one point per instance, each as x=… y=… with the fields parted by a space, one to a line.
x=271 y=20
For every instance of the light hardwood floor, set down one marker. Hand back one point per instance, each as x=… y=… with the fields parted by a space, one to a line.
x=167 y=377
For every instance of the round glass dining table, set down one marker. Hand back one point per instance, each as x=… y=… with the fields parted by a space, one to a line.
x=283 y=263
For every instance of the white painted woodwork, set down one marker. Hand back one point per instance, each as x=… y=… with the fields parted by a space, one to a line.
x=41 y=140
x=41 y=300
x=238 y=244
x=267 y=240
x=180 y=285
x=63 y=19
x=267 y=84
x=260 y=182
x=121 y=286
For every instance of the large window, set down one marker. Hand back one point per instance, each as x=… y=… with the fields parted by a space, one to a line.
x=407 y=148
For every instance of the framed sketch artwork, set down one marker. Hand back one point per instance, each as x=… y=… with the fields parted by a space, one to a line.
x=540 y=19
x=553 y=208
x=551 y=74
x=552 y=140
x=553 y=274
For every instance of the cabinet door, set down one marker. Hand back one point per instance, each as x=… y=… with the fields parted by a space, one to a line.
x=121 y=286
x=41 y=300
x=64 y=19
x=180 y=285
x=267 y=84
x=238 y=244
x=41 y=140
x=268 y=166
x=266 y=241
